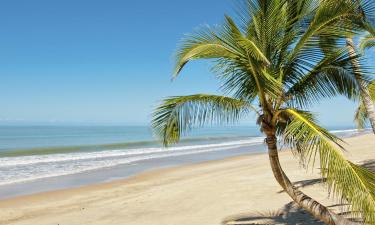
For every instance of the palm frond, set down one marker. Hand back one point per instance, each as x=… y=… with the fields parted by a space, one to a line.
x=204 y=44
x=236 y=80
x=345 y=179
x=253 y=50
x=177 y=115
x=368 y=41
x=330 y=19
x=332 y=76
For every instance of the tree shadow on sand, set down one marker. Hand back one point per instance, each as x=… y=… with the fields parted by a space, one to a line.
x=369 y=164
x=291 y=214
x=306 y=183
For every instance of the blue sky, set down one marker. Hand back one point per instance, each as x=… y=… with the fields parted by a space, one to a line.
x=91 y=61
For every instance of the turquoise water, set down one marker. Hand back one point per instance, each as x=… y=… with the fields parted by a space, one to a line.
x=22 y=137
x=34 y=152
x=31 y=140
x=29 y=153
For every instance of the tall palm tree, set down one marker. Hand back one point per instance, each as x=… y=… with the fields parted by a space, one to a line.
x=272 y=63
x=366 y=42
x=365 y=99
x=363 y=8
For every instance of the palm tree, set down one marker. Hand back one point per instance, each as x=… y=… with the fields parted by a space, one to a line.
x=366 y=42
x=366 y=101
x=272 y=63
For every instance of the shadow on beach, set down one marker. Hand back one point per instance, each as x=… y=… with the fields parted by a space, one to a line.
x=290 y=214
x=369 y=164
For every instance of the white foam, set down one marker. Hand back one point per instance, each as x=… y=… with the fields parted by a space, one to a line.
x=37 y=159
x=28 y=168
x=349 y=131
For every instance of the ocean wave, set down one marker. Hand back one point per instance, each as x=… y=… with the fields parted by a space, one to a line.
x=350 y=131
x=347 y=133
x=27 y=168
x=37 y=159
x=24 y=175
x=23 y=168
x=111 y=146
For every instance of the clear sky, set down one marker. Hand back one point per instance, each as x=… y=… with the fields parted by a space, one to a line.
x=105 y=61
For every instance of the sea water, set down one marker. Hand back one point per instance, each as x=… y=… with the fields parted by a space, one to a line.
x=32 y=153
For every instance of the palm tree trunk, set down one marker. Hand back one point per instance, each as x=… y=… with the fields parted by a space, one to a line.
x=318 y=210
x=365 y=95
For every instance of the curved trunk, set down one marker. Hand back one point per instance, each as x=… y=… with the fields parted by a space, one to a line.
x=318 y=210
x=365 y=95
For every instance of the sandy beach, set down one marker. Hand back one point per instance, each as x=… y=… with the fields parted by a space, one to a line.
x=205 y=193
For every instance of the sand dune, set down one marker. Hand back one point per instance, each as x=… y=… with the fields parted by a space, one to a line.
x=235 y=189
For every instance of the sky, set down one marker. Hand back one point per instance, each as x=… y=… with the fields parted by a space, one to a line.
x=106 y=61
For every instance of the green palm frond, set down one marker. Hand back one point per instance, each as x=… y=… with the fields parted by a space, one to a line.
x=330 y=77
x=345 y=179
x=236 y=80
x=177 y=115
x=251 y=48
x=203 y=45
x=368 y=41
x=330 y=19
x=231 y=49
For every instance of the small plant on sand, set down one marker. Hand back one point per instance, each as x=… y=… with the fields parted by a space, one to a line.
x=281 y=57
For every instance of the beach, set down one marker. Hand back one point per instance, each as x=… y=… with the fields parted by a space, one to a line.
x=244 y=112
x=202 y=193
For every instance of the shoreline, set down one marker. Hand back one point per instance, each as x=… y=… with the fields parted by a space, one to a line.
x=120 y=172
x=201 y=193
x=125 y=165
x=134 y=178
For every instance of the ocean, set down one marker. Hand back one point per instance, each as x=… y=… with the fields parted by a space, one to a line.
x=40 y=158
